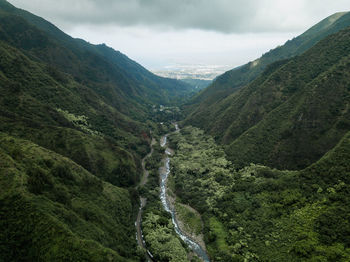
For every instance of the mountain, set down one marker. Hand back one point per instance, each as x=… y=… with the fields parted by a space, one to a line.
x=109 y=72
x=205 y=108
x=295 y=112
x=289 y=116
x=75 y=122
x=262 y=214
x=54 y=210
x=73 y=129
x=294 y=215
x=294 y=115
x=197 y=84
x=58 y=90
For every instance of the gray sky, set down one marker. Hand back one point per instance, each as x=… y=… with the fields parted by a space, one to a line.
x=156 y=33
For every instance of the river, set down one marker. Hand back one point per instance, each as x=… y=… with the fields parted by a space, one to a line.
x=163 y=197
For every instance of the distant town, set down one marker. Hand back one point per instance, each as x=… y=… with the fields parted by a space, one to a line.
x=203 y=72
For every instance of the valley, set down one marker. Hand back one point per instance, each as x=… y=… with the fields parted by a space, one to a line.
x=253 y=165
x=169 y=203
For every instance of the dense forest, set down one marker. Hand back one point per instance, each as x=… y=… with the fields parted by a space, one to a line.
x=292 y=114
x=228 y=107
x=75 y=121
x=259 y=171
x=261 y=214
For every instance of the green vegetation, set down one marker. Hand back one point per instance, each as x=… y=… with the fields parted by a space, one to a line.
x=218 y=236
x=53 y=209
x=74 y=126
x=191 y=219
x=90 y=140
x=161 y=238
x=206 y=161
x=159 y=234
x=206 y=107
x=202 y=175
x=292 y=114
x=264 y=214
x=197 y=84
x=82 y=108
x=79 y=121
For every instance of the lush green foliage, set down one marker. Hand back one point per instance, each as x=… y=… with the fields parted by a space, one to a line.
x=191 y=219
x=74 y=125
x=124 y=83
x=161 y=238
x=206 y=107
x=293 y=113
x=54 y=210
x=197 y=84
x=84 y=102
x=47 y=115
x=206 y=164
x=159 y=234
x=263 y=214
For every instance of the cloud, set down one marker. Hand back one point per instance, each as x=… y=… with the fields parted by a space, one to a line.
x=155 y=49
x=228 y=16
x=157 y=33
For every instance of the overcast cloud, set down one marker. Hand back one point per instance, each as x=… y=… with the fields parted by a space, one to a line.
x=166 y=29
x=229 y=16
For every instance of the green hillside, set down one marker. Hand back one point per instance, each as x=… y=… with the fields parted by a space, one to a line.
x=295 y=216
x=292 y=114
x=51 y=109
x=263 y=214
x=86 y=102
x=204 y=108
x=297 y=113
x=73 y=124
x=197 y=84
x=127 y=85
x=268 y=174
x=54 y=210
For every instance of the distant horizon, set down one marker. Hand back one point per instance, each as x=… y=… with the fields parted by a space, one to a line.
x=192 y=71
x=163 y=33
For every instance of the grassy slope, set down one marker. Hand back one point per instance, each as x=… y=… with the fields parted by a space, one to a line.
x=109 y=72
x=191 y=220
x=263 y=214
x=31 y=97
x=206 y=108
x=65 y=112
x=293 y=113
x=53 y=210
x=293 y=216
x=289 y=118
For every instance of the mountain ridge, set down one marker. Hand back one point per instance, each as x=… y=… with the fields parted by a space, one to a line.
x=84 y=112
x=76 y=119
x=205 y=103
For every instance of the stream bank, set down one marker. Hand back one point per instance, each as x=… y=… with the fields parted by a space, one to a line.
x=168 y=202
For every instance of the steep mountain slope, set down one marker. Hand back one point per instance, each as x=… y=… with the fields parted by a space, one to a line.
x=53 y=210
x=109 y=72
x=263 y=214
x=51 y=207
x=77 y=99
x=206 y=106
x=73 y=130
x=295 y=216
x=43 y=105
x=292 y=114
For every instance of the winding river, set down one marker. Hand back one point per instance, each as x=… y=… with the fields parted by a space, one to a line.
x=163 y=197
